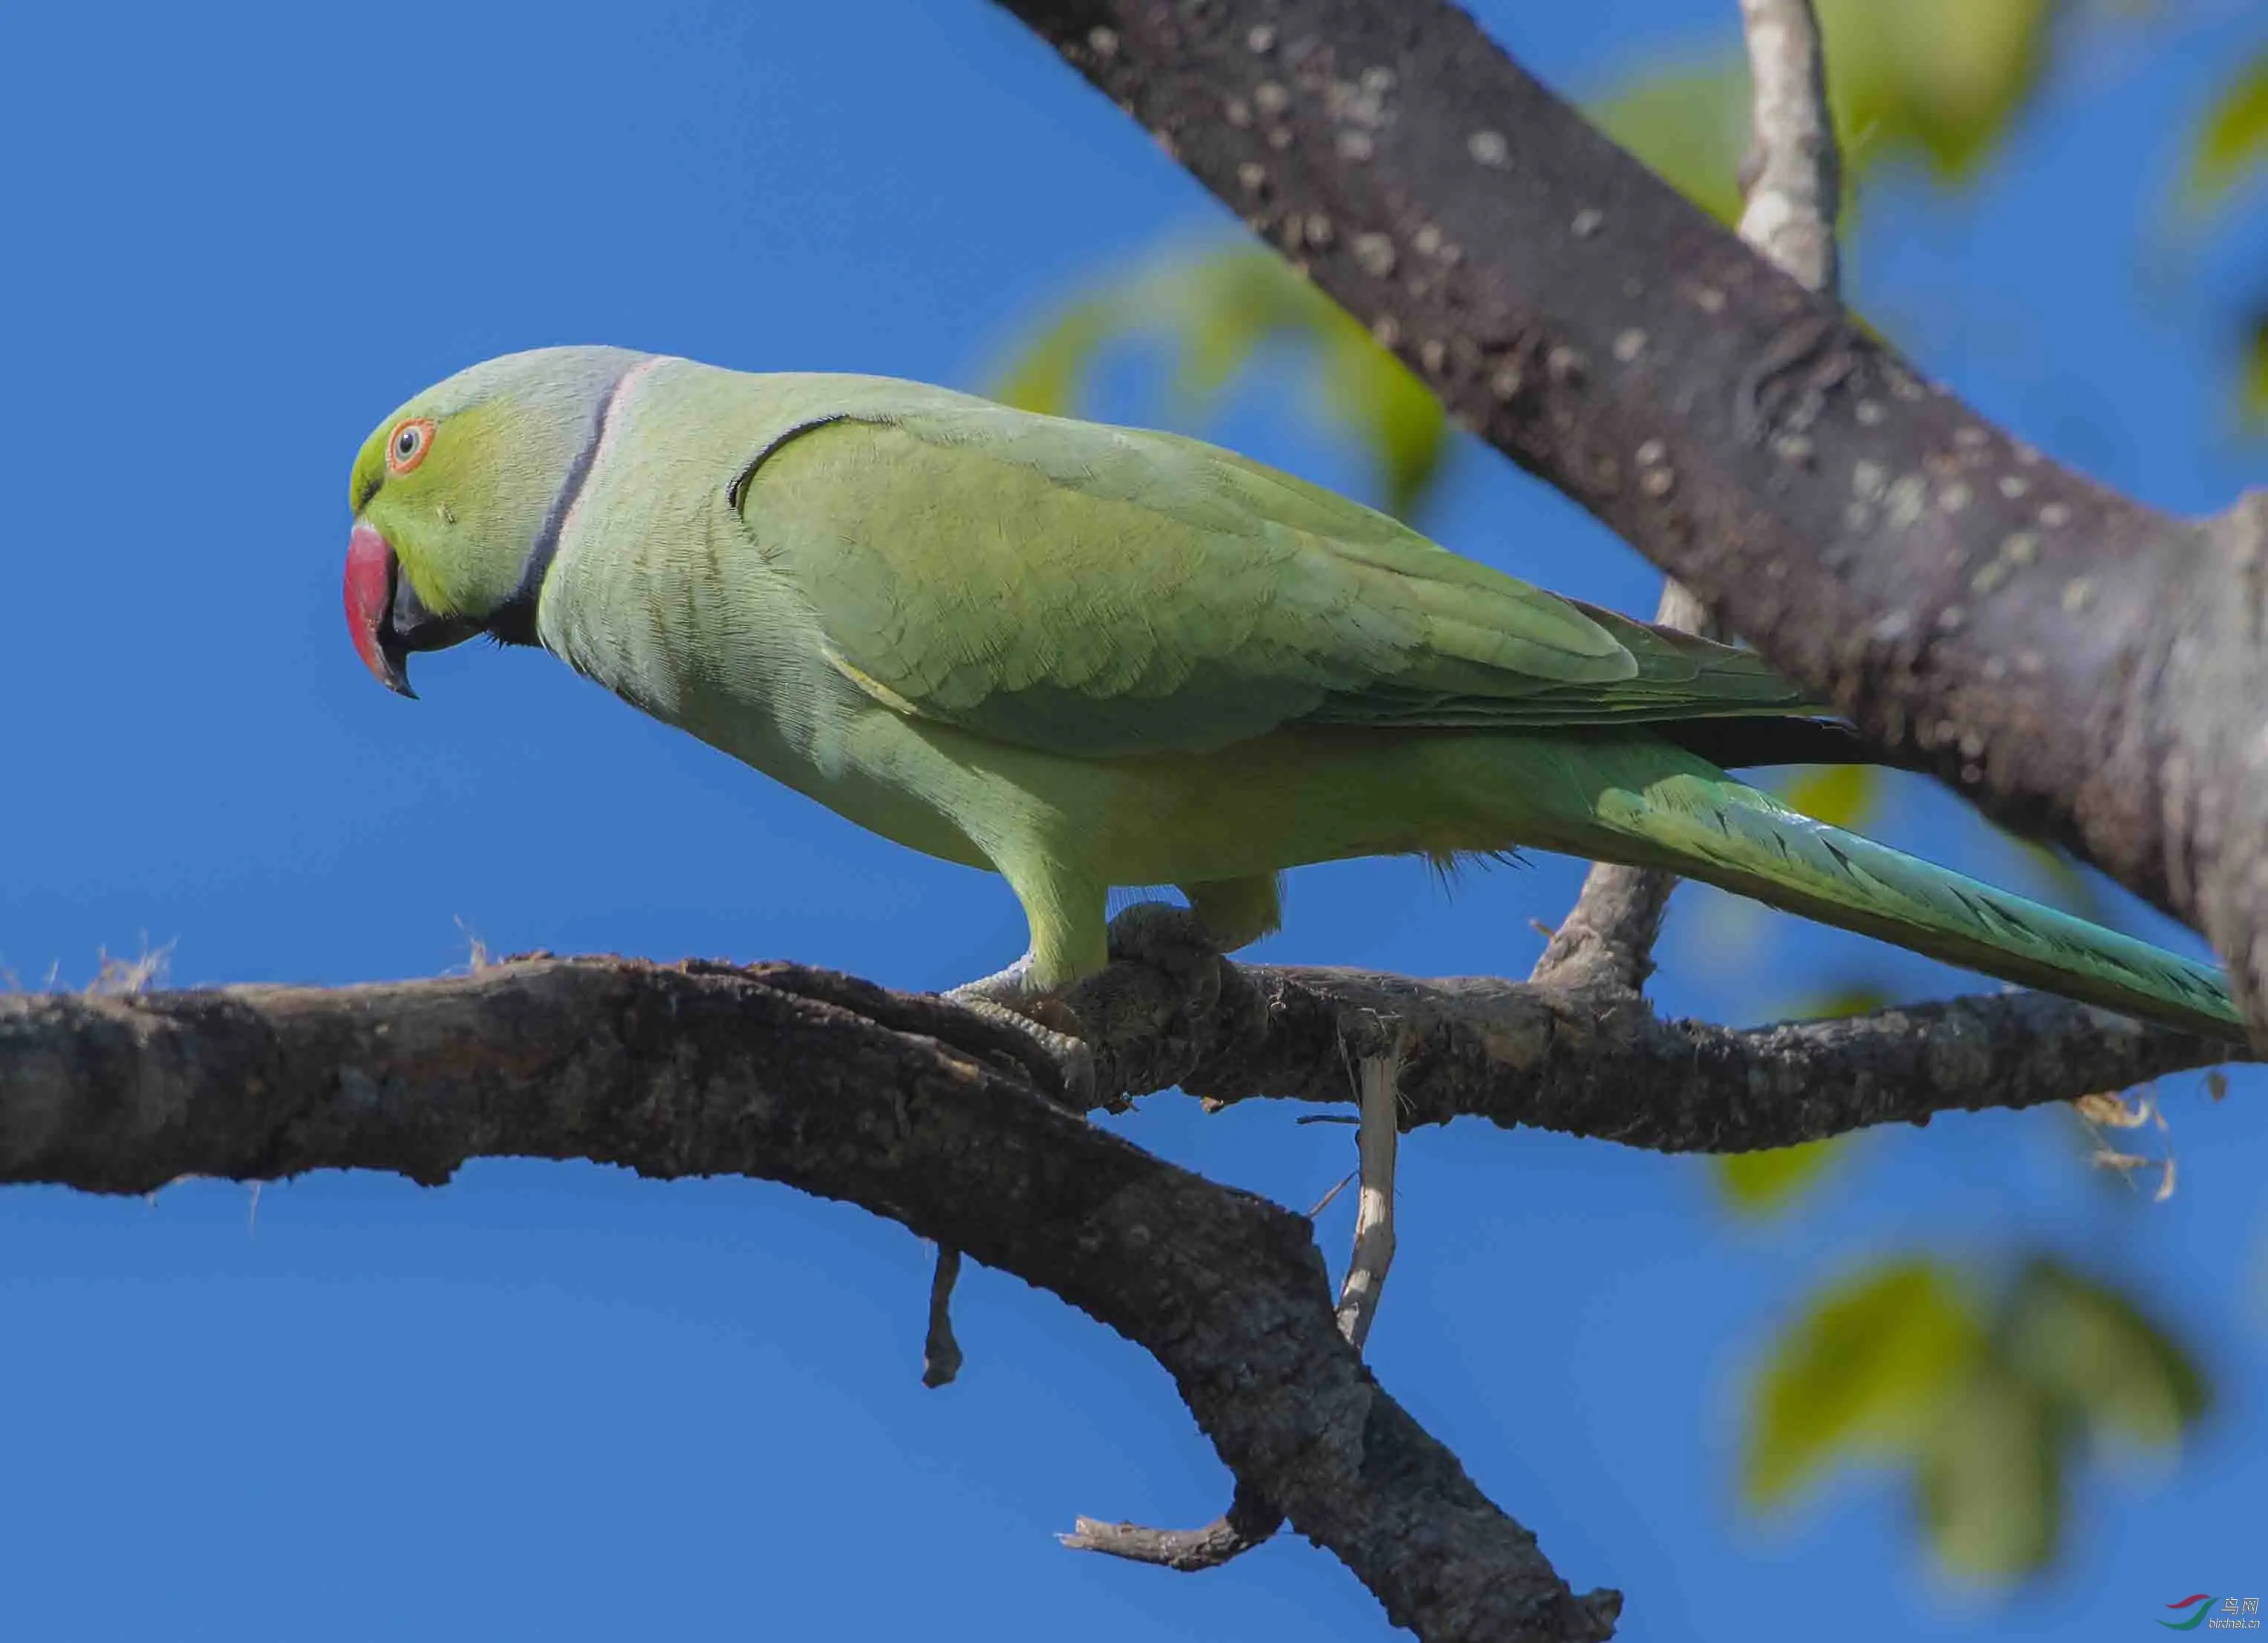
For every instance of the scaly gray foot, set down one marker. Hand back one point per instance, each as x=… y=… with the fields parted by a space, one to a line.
x=1173 y=940
x=1008 y=997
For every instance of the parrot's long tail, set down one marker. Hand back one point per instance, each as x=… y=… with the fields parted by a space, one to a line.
x=1651 y=805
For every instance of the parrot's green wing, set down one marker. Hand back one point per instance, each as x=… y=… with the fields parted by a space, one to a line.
x=1097 y=590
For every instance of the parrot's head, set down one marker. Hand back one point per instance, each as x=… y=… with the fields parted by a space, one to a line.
x=459 y=497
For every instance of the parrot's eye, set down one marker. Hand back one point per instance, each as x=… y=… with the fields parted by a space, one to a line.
x=408 y=445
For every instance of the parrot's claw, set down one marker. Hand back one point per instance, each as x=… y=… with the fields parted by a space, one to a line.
x=1008 y=998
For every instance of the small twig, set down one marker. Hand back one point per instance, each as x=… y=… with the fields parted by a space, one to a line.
x=1326 y=1200
x=1607 y=938
x=1793 y=176
x=940 y=1352
x=1377 y=1080
x=1248 y=1521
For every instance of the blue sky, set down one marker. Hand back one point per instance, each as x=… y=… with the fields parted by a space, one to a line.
x=558 y=1402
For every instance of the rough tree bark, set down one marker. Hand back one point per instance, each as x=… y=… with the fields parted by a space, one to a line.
x=1964 y=600
x=945 y=1122
x=2083 y=666
x=908 y=1107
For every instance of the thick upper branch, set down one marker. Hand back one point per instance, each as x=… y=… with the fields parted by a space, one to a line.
x=2084 y=666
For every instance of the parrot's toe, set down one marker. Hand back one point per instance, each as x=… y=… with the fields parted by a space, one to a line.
x=1012 y=988
x=1009 y=997
x=1068 y=1054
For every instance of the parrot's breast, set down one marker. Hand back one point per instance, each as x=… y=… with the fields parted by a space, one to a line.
x=658 y=593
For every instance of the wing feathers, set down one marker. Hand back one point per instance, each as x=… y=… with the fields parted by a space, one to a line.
x=1099 y=592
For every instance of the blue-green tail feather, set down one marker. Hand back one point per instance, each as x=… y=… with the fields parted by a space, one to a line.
x=1649 y=805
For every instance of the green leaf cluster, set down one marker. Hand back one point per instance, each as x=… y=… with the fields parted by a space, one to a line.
x=2227 y=154
x=2254 y=392
x=1217 y=309
x=1937 y=82
x=1986 y=1402
x=2230 y=146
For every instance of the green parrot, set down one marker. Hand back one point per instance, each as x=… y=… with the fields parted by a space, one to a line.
x=1085 y=657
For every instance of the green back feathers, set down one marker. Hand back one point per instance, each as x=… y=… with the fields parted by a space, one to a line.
x=1101 y=591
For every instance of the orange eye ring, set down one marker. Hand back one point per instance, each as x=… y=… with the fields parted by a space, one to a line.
x=407 y=445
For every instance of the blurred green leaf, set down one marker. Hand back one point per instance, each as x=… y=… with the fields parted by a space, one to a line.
x=1841 y=796
x=1989 y=1477
x=1050 y=372
x=1895 y=1361
x=2232 y=140
x=1941 y=81
x=2059 y=881
x=1397 y=415
x=2253 y=405
x=1225 y=305
x=1861 y=1372
x=1852 y=998
x=2091 y=1350
x=1691 y=125
x=1758 y=1184
x=1941 y=78
x=1218 y=309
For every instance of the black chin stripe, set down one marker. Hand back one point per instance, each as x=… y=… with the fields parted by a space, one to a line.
x=514 y=621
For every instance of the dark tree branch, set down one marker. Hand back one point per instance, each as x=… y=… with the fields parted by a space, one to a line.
x=940 y=1352
x=2083 y=666
x=1596 y=1061
x=904 y=1106
x=1607 y=938
x=929 y=1115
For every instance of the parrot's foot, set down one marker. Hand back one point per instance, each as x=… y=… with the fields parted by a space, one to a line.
x=1013 y=990
x=1008 y=997
x=1175 y=940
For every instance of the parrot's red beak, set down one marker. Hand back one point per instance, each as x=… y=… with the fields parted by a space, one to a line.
x=387 y=618
x=372 y=573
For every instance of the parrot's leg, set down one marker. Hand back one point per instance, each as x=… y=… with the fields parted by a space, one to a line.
x=1237 y=912
x=1070 y=942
